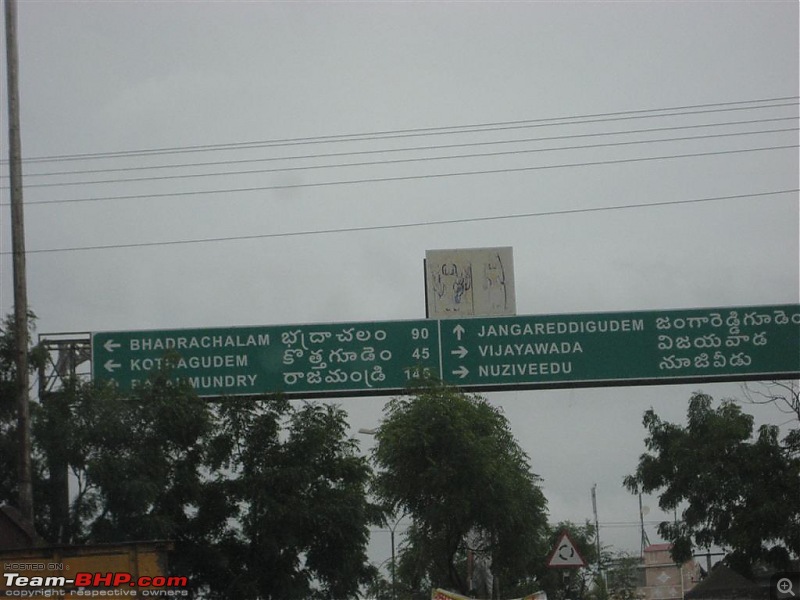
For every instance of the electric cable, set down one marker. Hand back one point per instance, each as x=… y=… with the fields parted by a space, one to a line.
x=287 y=234
x=442 y=130
x=407 y=160
x=394 y=150
x=405 y=177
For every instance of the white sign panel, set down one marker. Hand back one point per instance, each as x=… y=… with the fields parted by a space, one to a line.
x=470 y=282
x=565 y=554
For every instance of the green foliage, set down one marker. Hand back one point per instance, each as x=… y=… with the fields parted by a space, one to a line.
x=142 y=455
x=450 y=462
x=8 y=404
x=737 y=492
x=8 y=414
x=623 y=576
x=263 y=499
x=300 y=496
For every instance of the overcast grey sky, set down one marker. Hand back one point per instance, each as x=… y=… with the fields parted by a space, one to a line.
x=117 y=77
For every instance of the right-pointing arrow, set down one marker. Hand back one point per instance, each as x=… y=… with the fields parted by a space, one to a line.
x=461 y=371
x=460 y=352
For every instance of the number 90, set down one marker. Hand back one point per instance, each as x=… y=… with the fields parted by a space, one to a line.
x=419 y=333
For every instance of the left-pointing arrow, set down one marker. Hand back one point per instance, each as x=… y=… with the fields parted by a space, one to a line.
x=110 y=365
x=110 y=346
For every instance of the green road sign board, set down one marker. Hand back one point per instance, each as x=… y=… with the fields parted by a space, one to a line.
x=672 y=346
x=527 y=352
x=304 y=360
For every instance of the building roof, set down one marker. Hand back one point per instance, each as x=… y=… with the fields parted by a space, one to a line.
x=658 y=547
x=726 y=584
x=15 y=530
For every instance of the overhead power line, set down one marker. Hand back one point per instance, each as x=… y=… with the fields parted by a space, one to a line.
x=442 y=130
x=411 y=160
x=549 y=213
x=408 y=177
x=217 y=163
x=603 y=524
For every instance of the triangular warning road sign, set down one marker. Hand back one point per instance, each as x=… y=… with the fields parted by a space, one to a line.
x=565 y=554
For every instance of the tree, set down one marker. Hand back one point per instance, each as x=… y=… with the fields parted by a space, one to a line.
x=297 y=486
x=736 y=491
x=784 y=395
x=262 y=499
x=8 y=406
x=137 y=460
x=8 y=414
x=450 y=461
x=623 y=576
x=140 y=457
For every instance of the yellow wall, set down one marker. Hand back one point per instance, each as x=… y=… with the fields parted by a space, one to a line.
x=139 y=559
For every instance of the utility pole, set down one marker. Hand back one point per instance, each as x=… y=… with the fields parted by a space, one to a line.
x=18 y=251
x=645 y=540
x=394 y=582
x=597 y=532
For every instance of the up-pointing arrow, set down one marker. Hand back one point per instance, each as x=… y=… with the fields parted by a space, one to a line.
x=459 y=331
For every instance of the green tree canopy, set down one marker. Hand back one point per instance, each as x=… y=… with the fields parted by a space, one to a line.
x=263 y=498
x=622 y=573
x=297 y=486
x=735 y=489
x=8 y=413
x=9 y=444
x=450 y=462
x=141 y=457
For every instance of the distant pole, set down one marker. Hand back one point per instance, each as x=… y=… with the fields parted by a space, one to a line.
x=392 y=529
x=394 y=584
x=597 y=530
x=645 y=539
x=18 y=252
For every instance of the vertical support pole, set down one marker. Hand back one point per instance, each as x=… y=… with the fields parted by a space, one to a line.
x=597 y=532
x=394 y=582
x=18 y=251
x=645 y=539
x=57 y=405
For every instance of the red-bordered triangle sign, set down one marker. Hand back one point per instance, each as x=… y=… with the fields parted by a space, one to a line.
x=565 y=554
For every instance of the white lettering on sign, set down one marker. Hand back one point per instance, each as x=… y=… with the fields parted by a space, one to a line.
x=516 y=370
x=198 y=342
x=226 y=361
x=223 y=381
x=560 y=328
x=368 y=377
x=728 y=334
x=527 y=349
